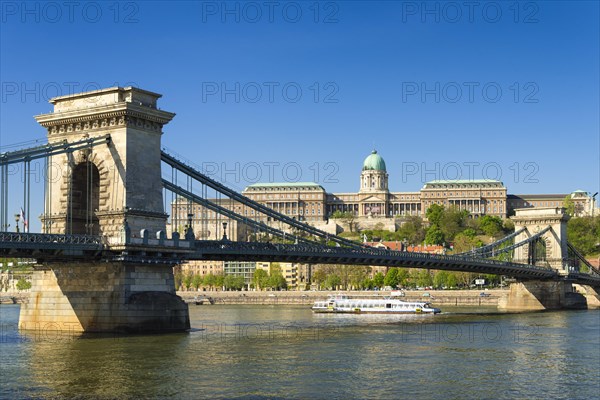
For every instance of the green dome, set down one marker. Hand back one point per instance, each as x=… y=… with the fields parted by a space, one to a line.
x=374 y=162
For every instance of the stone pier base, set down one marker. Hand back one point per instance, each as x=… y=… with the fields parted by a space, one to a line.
x=104 y=297
x=541 y=295
x=591 y=294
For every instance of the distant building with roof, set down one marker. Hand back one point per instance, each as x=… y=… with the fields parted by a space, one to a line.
x=303 y=200
x=478 y=196
x=584 y=204
x=399 y=246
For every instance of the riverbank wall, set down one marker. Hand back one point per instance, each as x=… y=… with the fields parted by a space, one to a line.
x=436 y=297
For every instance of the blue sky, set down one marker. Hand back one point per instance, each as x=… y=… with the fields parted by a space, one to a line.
x=506 y=90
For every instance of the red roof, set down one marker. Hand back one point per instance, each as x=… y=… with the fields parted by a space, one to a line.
x=434 y=249
x=594 y=261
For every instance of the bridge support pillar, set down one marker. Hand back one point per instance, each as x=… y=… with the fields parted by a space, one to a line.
x=591 y=294
x=542 y=295
x=104 y=297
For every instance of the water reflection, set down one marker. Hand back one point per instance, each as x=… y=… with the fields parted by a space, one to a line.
x=105 y=366
x=288 y=352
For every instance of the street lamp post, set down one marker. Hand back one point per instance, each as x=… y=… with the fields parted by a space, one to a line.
x=48 y=225
x=224 y=230
x=17 y=218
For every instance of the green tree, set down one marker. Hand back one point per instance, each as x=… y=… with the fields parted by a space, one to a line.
x=391 y=278
x=378 y=280
x=219 y=280
x=178 y=278
x=451 y=280
x=23 y=284
x=412 y=230
x=440 y=279
x=260 y=279
x=277 y=281
x=493 y=280
x=464 y=243
x=465 y=279
x=508 y=225
x=367 y=283
x=187 y=281
x=346 y=217
x=434 y=214
x=197 y=281
x=424 y=278
x=332 y=281
x=403 y=276
x=469 y=232
x=319 y=277
x=584 y=234
x=490 y=225
x=453 y=221
x=434 y=235
x=210 y=280
x=569 y=204
x=357 y=276
x=233 y=282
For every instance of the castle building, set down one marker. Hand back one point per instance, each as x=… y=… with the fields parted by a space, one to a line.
x=372 y=206
x=583 y=203
x=478 y=197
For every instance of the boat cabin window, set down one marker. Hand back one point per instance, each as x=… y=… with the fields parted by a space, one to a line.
x=388 y=305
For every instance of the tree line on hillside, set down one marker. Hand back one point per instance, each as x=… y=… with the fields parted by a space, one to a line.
x=445 y=226
x=453 y=227
x=584 y=234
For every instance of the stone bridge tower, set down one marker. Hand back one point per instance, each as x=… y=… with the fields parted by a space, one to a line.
x=95 y=190
x=552 y=249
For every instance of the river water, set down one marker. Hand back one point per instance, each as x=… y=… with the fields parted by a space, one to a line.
x=247 y=351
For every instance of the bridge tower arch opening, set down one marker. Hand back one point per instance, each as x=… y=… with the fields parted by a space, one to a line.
x=84 y=199
x=538 y=251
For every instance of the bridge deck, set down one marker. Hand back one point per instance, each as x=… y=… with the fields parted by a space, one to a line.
x=46 y=247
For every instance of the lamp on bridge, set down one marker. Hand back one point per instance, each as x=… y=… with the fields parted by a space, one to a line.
x=17 y=218
x=89 y=228
x=224 y=231
x=48 y=225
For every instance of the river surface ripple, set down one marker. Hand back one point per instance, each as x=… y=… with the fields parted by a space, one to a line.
x=249 y=351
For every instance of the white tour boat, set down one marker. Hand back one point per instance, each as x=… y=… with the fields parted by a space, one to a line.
x=345 y=304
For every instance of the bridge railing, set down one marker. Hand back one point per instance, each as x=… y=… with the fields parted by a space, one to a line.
x=150 y=242
x=14 y=239
x=46 y=238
